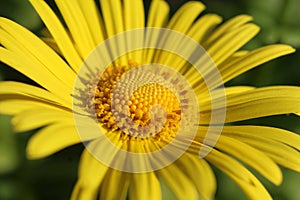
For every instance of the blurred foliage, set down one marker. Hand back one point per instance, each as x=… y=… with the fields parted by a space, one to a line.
x=20 y=11
x=53 y=177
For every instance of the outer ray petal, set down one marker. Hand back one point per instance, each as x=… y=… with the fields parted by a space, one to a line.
x=200 y=173
x=231 y=42
x=25 y=90
x=202 y=27
x=254 y=158
x=218 y=93
x=267 y=139
x=113 y=22
x=52 y=43
x=232 y=68
x=219 y=52
x=239 y=174
x=39 y=75
x=257 y=103
x=134 y=17
x=158 y=16
x=144 y=186
x=34 y=46
x=38 y=117
x=231 y=24
x=93 y=20
x=52 y=139
x=77 y=25
x=16 y=106
x=183 y=188
x=91 y=174
x=158 y=13
x=115 y=181
x=185 y=16
x=181 y=22
x=59 y=33
x=270 y=133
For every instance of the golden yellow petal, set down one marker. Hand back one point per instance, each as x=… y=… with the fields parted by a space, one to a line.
x=157 y=17
x=144 y=186
x=158 y=13
x=22 y=89
x=115 y=181
x=93 y=20
x=52 y=139
x=134 y=17
x=202 y=27
x=185 y=16
x=59 y=33
x=239 y=174
x=200 y=173
x=229 y=25
x=38 y=117
x=252 y=157
x=183 y=187
x=226 y=45
x=22 y=40
x=258 y=102
x=113 y=16
x=77 y=25
x=234 y=67
x=91 y=174
x=281 y=146
x=41 y=76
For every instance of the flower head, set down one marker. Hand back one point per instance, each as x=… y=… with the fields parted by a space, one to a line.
x=147 y=98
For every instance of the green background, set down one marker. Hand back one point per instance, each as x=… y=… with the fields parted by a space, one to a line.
x=53 y=177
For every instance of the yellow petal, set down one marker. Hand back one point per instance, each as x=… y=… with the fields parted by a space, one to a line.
x=232 y=68
x=200 y=173
x=51 y=43
x=134 y=18
x=158 y=13
x=252 y=157
x=38 y=117
x=113 y=16
x=112 y=12
x=39 y=75
x=52 y=139
x=277 y=134
x=18 y=105
x=278 y=144
x=231 y=42
x=157 y=17
x=202 y=27
x=25 y=90
x=59 y=33
x=220 y=51
x=144 y=186
x=239 y=174
x=205 y=98
x=185 y=16
x=38 y=49
x=91 y=174
x=77 y=25
x=93 y=20
x=231 y=24
x=117 y=182
x=257 y=103
x=181 y=22
x=182 y=186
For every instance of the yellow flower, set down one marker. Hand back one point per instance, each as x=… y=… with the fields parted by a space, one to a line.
x=105 y=95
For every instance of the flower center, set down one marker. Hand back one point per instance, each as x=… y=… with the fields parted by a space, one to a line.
x=140 y=104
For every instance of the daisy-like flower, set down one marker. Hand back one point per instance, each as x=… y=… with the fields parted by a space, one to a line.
x=149 y=104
